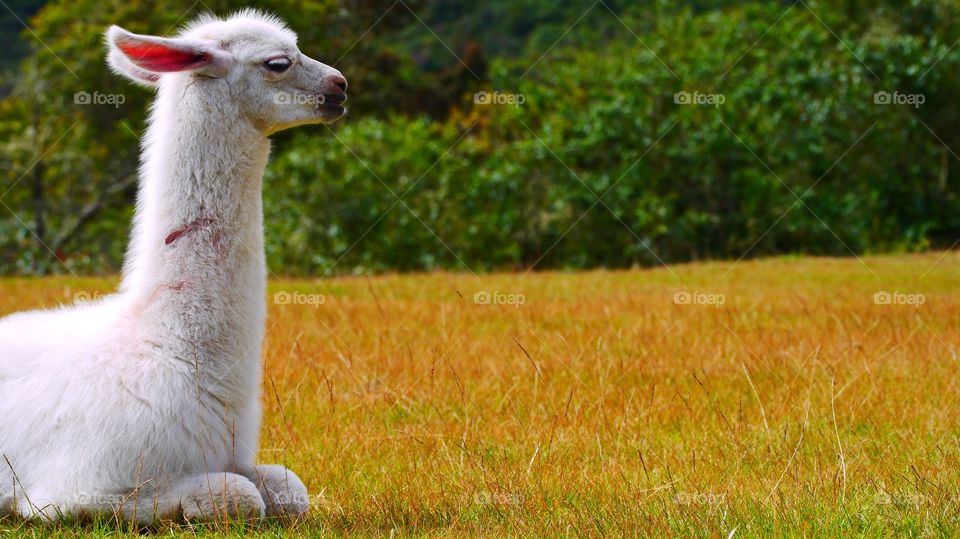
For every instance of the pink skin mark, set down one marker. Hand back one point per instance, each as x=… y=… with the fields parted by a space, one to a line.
x=189 y=227
x=160 y=58
x=175 y=287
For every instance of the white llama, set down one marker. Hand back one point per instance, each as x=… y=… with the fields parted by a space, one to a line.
x=147 y=403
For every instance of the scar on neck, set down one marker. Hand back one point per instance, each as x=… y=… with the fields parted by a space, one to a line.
x=196 y=224
x=160 y=289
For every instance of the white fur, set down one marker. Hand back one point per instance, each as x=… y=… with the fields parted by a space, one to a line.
x=147 y=403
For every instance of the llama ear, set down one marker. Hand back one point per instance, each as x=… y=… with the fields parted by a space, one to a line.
x=143 y=58
x=121 y=66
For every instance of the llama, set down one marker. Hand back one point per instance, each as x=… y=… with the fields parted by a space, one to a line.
x=146 y=404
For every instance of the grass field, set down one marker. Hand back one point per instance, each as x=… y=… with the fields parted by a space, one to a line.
x=801 y=396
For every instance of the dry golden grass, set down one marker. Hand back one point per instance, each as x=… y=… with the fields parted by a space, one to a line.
x=600 y=406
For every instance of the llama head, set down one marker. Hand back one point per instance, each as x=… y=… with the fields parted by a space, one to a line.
x=249 y=59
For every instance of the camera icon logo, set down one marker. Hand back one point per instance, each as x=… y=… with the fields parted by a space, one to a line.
x=882 y=98
x=483 y=498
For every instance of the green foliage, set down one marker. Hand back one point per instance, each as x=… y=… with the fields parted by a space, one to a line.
x=798 y=158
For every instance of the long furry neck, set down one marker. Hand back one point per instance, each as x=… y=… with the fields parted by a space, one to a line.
x=195 y=269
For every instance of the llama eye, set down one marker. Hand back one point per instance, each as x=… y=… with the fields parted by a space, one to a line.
x=278 y=65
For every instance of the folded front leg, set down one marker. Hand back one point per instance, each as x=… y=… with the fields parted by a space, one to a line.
x=217 y=496
x=283 y=492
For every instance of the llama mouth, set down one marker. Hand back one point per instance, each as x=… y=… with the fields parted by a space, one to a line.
x=337 y=98
x=331 y=109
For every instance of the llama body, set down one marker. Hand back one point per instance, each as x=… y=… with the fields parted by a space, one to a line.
x=148 y=402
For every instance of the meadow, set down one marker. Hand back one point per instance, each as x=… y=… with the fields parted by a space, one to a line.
x=797 y=396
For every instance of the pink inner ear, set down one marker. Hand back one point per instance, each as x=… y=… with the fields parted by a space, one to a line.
x=160 y=58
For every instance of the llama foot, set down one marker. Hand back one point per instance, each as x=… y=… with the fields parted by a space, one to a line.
x=219 y=496
x=282 y=491
x=6 y=505
x=212 y=496
x=43 y=509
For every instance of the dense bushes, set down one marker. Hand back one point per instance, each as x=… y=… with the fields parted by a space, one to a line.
x=798 y=158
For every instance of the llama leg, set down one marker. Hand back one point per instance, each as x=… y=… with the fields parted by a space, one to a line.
x=6 y=502
x=282 y=491
x=212 y=496
x=45 y=508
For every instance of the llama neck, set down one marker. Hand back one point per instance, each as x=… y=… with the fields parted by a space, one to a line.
x=196 y=259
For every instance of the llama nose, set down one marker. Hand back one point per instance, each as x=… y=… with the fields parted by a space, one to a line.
x=336 y=89
x=339 y=82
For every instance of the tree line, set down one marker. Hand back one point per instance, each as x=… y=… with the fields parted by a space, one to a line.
x=509 y=135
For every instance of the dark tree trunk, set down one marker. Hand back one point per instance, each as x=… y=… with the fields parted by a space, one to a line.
x=36 y=188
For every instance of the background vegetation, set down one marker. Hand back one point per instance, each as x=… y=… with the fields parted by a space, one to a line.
x=598 y=167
